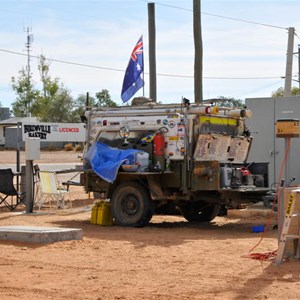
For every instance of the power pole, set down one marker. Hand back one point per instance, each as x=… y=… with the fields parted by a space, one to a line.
x=299 y=65
x=29 y=40
x=198 y=62
x=289 y=63
x=152 y=51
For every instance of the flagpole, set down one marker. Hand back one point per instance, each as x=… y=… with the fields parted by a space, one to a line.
x=143 y=85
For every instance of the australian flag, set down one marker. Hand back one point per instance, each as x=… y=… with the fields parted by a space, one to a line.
x=133 y=80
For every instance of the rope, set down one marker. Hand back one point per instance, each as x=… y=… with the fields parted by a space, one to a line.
x=267 y=256
x=270 y=255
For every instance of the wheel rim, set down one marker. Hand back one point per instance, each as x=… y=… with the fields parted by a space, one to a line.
x=130 y=205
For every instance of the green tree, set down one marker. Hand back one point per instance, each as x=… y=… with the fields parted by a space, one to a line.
x=81 y=101
x=26 y=94
x=80 y=106
x=104 y=99
x=280 y=92
x=54 y=103
x=50 y=87
x=59 y=108
x=228 y=102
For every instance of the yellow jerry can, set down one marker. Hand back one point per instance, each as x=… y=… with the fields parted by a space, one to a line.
x=94 y=213
x=104 y=216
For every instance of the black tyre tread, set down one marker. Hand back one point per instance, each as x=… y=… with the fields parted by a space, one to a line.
x=200 y=211
x=143 y=217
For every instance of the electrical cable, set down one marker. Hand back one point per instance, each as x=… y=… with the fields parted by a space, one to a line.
x=220 y=16
x=120 y=70
x=270 y=255
x=261 y=88
x=166 y=5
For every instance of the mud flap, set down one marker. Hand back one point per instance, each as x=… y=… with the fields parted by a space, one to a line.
x=156 y=192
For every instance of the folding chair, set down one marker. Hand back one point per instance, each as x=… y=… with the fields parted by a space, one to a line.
x=7 y=188
x=51 y=190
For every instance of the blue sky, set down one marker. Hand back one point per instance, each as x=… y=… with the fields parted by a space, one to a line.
x=102 y=33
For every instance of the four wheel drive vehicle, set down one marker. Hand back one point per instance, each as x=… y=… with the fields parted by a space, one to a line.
x=152 y=158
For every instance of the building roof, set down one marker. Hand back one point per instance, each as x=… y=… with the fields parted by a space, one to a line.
x=15 y=121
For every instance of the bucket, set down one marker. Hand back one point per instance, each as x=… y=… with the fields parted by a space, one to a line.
x=257 y=229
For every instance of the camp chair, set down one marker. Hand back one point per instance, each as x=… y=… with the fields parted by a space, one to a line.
x=7 y=188
x=51 y=190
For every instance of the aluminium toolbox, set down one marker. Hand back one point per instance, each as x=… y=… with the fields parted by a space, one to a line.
x=101 y=214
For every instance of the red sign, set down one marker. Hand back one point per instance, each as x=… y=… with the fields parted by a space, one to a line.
x=64 y=129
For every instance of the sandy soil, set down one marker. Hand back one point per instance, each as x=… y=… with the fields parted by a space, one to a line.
x=169 y=259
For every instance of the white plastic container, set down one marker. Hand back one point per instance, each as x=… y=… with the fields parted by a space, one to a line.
x=226 y=176
x=143 y=159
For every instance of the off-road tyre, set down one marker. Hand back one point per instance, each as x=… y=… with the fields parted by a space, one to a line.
x=131 y=205
x=200 y=211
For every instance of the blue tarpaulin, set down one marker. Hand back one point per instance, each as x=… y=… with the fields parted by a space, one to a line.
x=106 y=160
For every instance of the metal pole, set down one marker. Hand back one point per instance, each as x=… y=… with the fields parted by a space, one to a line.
x=289 y=63
x=198 y=59
x=87 y=101
x=152 y=53
x=287 y=142
x=32 y=151
x=299 y=65
x=29 y=186
x=18 y=147
x=143 y=77
x=18 y=154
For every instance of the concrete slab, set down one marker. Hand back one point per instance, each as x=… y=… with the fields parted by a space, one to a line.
x=39 y=235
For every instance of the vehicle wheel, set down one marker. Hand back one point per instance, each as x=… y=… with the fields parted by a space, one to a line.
x=223 y=211
x=131 y=205
x=200 y=211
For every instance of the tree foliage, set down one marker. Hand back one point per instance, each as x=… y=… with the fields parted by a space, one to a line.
x=83 y=102
x=104 y=99
x=26 y=94
x=81 y=105
x=53 y=103
x=50 y=87
x=58 y=109
x=228 y=102
x=280 y=92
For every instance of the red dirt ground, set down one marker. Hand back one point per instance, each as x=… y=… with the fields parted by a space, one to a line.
x=170 y=259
